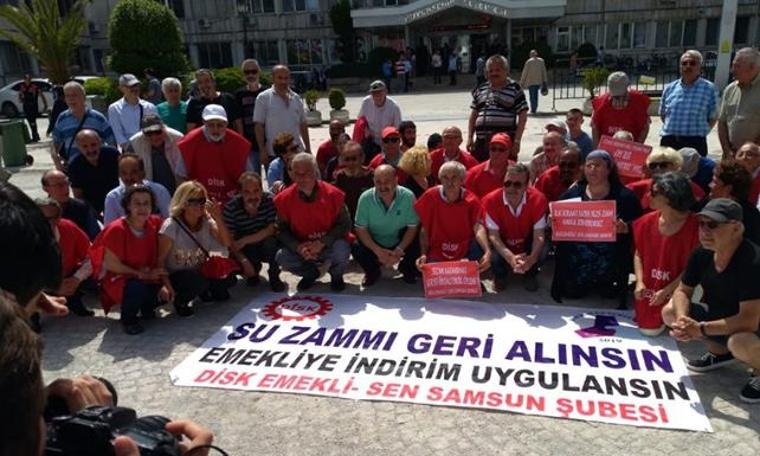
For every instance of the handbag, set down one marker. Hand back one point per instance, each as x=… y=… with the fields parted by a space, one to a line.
x=544 y=89
x=215 y=267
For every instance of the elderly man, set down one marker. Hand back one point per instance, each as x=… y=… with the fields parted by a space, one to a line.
x=207 y=95
x=386 y=225
x=56 y=185
x=95 y=171
x=748 y=156
x=450 y=151
x=516 y=220
x=250 y=217
x=126 y=113
x=688 y=107
x=156 y=145
x=71 y=121
x=698 y=168
x=246 y=100
x=173 y=111
x=533 y=77
x=557 y=179
x=620 y=109
x=279 y=109
x=452 y=221
x=328 y=149
x=214 y=155
x=553 y=144
x=312 y=225
x=498 y=106
x=408 y=131
x=489 y=175
x=391 y=154
x=380 y=110
x=131 y=173
x=737 y=121
x=726 y=266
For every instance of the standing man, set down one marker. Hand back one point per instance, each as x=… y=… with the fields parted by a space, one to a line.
x=480 y=70
x=95 y=171
x=437 y=63
x=205 y=84
x=156 y=145
x=454 y=65
x=726 y=266
x=154 y=87
x=380 y=110
x=126 y=113
x=279 y=109
x=738 y=122
x=497 y=107
x=452 y=139
x=246 y=100
x=620 y=109
x=28 y=94
x=388 y=73
x=173 y=111
x=402 y=72
x=533 y=77
x=689 y=107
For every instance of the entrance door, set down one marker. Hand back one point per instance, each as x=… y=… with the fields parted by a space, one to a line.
x=479 y=47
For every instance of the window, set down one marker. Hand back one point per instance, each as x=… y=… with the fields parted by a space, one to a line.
x=640 y=31
x=661 y=40
x=712 y=31
x=304 y=52
x=676 y=32
x=563 y=39
x=13 y=60
x=215 y=55
x=741 y=30
x=689 y=33
x=178 y=6
x=626 y=30
x=576 y=37
x=612 y=36
x=263 y=6
x=300 y=5
x=266 y=52
x=589 y=34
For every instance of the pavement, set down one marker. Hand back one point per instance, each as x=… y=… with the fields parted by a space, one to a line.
x=250 y=423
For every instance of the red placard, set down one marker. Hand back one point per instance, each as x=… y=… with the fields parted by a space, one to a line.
x=451 y=279
x=629 y=156
x=584 y=221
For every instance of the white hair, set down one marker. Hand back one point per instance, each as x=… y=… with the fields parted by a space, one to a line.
x=694 y=54
x=750 y=55
x=452 y=166
x=75 y=86
x=497 y=59
x=169 y=83
x=306 y=158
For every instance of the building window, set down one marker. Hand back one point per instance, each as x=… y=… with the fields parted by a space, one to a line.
x=741 y=30
x=676 y=32
x=304 y=52
x=263 y=6
x=640 y=31
x=689 y=33
x=589 y=34
x=661 y=40
x=300 y=5
x=13 y=60
x=612 y=36
x=563 y=39
x=266 y=52
x=626 y=30
x=215 y=55
x=178 y=6
x=712 y=31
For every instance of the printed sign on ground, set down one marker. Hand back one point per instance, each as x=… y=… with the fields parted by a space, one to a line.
x=629 y=156
x=584 y=221
x=559 y=362
x=451 y=279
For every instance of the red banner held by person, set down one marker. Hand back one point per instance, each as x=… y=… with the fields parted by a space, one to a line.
x=629 y=156
x=584 y=221
x=451 y=279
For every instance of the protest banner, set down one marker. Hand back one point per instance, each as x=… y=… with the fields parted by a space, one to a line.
x=629 y=156
x=561 y=362
x=584 y=221
x=451 y=279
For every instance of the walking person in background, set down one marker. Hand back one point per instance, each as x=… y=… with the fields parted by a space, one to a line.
x=454 y=66
x=437 y=63
x=28 y=93
x=534 y=78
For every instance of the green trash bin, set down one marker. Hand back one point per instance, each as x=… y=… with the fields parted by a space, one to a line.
x=12 y=142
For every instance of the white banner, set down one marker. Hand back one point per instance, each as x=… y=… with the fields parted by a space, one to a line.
x=563 y=362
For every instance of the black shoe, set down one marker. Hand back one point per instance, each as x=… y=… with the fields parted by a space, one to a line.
x=133 y=329
x=499 y=284
x=220 y=295
x=751 y=391
x=530 y=283
x=80 y=310
x=253 y=281
x=370 y=278
x=709 y=361
x=337 y=284
x=275 y=284
x=184 y=310
x=150 y=315
x=409 y=277
x=34 y=322
x=306 y=282
x=206 y=296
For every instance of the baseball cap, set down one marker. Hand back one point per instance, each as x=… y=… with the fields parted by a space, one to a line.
x=722 y=210
x=690 y=161
x=501 y=138
x=617 y=83
x=377 y=85
x=558 y=124
x=390 y=131
x=151 y=122
x=128 y=80
x=214 y=111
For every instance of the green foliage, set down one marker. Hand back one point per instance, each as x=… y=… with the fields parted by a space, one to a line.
x=145 y=34
x=311 y=97
x=105 y=87
x=521 y=54
x=379 y=55
x=586 y=52
x=337 y=98
x=229 y=79
x=343 y=25
x=43 y=33
x=592 y=78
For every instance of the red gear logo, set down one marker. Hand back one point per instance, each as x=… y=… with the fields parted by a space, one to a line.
x=318 y=307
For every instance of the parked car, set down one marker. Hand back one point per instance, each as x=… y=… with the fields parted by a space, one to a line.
x=10 y=104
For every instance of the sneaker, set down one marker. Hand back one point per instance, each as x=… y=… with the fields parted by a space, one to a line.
x=751 y=391
x=306 y=282
x=370 y=278
x=337 y=284
x=133 y=329
x=530 y=283
x=80 y=310
x=709 y=361
x=184 y=310
x=276 y=285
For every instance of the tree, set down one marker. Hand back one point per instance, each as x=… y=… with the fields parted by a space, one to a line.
x=41 y=31
x=343 y=25
x=145 y=34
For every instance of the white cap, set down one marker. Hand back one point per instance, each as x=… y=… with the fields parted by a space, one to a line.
x=214 y=112
x=557 y=124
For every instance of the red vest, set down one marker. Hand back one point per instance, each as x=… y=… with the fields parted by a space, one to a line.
x=754 y=190
x=550 y=184
x=633 y=118
x=481 y=181
x=515 y=231
x=310 y=221
x=74 y=245
x=449 y=226
x=215 y=165
x=438 y=158
x=379 y=159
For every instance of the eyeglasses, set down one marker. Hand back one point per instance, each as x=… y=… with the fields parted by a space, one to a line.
x=710 y=225
x=251 y=71
x=514 y=184
x=196 y=201
x=658 y=165
x=350 y=158
x=393 y=139
x=568 y=165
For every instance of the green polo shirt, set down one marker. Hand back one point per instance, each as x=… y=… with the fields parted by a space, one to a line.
x=174 y=117
x=385 y=224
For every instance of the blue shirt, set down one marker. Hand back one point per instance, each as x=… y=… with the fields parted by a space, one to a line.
x=585 y=144
x=66 y=128
x=688 y=109
x=276 y=171
x=125 y=118
x=113 y=209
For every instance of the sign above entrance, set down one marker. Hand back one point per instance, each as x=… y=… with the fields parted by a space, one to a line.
x=437 y=7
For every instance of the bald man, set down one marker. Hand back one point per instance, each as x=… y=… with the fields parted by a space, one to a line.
x=95 y=171
x=450 y=150
x=386 y=225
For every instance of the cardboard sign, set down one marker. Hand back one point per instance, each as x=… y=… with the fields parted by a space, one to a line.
x=629 y=156
x=584 y=221
x=451 y=279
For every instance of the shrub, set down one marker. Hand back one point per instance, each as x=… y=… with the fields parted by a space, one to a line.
x=105 y=87
x=337 y=98
x=592 y=78
x=311 y=97
x=229 y=79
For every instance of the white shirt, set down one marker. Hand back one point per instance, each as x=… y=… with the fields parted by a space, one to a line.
x=277 y=116
x=125 y=118
x=379 y=117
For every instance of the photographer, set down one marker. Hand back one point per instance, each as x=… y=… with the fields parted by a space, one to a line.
x=26 y=237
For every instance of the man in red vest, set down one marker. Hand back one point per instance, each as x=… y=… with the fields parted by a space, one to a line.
x=214 y=155
x=450 y=151
x=313 y=224
x=489 y=175
x=516 y=220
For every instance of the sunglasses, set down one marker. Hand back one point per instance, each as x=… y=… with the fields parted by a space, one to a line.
x=350 y=158
x=514 y=184
x=251 y=71
x=196 y=201
x=394 y=139
x=658 y=165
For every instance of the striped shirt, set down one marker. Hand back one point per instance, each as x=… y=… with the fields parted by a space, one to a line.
x=241 y=223
x=66 y=128
x=497 y=109
x=688 y=109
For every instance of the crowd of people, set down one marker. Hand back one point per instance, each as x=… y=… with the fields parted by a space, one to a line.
x=184 y=206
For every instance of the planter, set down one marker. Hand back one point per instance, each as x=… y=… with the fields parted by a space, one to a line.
x=339 y=114
x=313 y=118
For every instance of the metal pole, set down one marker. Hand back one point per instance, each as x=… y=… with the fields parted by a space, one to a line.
x=725 y=43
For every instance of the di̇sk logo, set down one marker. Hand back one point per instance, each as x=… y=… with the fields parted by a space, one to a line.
x=297 y=308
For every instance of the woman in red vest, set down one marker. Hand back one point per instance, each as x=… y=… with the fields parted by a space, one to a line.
x=127 y=250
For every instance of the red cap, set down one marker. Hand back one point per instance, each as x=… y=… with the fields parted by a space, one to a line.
x=503 y=139
x=390 y=131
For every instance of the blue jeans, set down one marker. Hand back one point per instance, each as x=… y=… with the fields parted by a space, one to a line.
x=256 y=162
x=533 y=92
x=138 y=297
x=337 y=254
